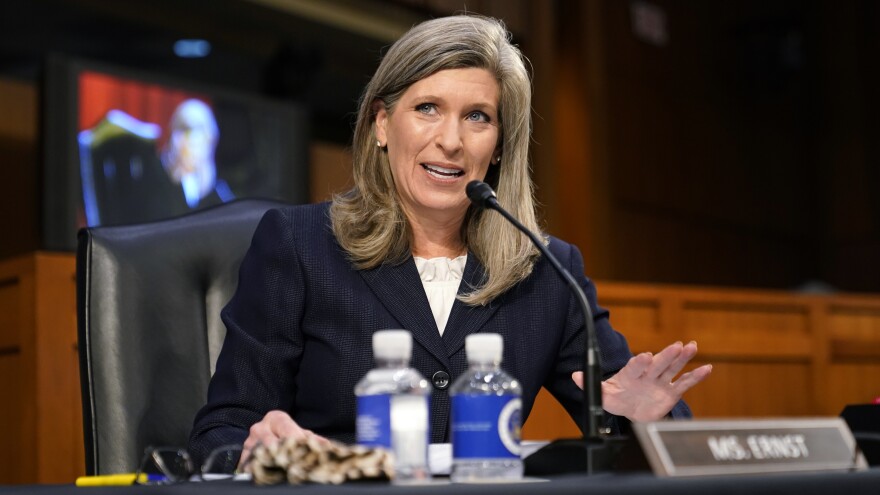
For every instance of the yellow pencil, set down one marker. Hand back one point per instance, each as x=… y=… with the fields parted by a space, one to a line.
x=118 y=479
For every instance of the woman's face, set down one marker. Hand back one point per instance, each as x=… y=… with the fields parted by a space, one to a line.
x=442 y=134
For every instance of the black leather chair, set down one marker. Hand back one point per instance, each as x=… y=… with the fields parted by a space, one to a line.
x=148 y=315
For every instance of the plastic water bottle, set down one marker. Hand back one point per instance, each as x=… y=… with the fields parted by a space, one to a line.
x=486 y=416
x=392 y=407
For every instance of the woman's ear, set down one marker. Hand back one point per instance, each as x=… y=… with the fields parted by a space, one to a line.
x=381 y=114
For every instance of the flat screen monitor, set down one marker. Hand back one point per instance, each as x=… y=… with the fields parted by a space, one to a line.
x=124 y=146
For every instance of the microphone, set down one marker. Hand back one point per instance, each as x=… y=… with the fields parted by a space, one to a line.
x=482 y=196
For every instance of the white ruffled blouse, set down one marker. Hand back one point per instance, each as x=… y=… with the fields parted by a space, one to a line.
x=441 y=278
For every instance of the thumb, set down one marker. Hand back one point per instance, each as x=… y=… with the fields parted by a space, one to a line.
x=578 y=377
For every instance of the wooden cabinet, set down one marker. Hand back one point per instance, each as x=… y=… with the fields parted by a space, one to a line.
x=41 y=420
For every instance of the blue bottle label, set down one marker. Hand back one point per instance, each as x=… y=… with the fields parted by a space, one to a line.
x=373 y=422
x=486 y=426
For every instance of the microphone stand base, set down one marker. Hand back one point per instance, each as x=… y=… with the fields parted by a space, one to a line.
x=571 y=455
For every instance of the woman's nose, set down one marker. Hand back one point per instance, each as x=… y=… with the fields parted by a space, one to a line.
x=449 y=135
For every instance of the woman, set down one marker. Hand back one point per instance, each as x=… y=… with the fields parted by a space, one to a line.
x=449 y=103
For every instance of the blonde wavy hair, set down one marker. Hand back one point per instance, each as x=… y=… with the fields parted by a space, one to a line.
x=368 y=220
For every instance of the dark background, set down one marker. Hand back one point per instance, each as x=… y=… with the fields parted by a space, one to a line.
x=741 y=149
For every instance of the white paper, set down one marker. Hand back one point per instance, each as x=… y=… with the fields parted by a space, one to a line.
x=440 y=455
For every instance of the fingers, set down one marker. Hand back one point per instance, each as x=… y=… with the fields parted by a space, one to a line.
x=662 y=367
x=274 y=426
x=578 y=377
x=643 y=390
x=636 y=367
x=687 y=353
x=663 y=360
x=283 y=426
x=691 y=378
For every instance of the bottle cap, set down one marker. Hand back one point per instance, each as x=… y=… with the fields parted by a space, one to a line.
x=392 y=344
x=484 y=348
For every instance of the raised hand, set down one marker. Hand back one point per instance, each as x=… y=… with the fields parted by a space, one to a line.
x=644 y=389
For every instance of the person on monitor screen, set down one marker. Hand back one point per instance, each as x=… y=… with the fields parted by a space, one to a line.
x=188 y=155
x=404 y=248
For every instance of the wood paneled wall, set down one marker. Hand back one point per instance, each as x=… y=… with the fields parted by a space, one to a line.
x=774 y=353
x=738 y=152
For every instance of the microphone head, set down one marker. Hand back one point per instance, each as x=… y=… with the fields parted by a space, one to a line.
x=480 y=194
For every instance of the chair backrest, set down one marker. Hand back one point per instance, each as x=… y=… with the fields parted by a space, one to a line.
x=148 y=316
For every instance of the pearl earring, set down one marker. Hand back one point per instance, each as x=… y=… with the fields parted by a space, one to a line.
x=378 y=143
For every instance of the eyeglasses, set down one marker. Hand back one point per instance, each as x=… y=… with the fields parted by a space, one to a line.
x=168 y=465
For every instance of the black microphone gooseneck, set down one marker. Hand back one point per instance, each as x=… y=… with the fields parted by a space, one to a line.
x=482 y=196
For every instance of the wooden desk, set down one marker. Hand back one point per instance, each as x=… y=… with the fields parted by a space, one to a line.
x=857 y=483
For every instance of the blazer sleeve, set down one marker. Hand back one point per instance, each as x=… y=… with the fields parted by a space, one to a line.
x=613 y=348
x=257 y=365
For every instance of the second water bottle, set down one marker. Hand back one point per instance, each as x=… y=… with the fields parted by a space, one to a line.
x=486 y=416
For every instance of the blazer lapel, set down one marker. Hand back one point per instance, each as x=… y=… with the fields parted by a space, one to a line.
x=464 y=319
x=399 y=289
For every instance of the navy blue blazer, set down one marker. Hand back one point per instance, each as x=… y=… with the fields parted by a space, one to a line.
x=300 y=326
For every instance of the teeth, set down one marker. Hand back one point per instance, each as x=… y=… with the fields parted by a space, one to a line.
x=441 y=171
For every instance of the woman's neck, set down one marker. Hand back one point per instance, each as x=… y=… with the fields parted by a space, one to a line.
x=432 y=239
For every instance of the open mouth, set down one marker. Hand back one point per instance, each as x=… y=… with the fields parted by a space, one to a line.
x=441 y=172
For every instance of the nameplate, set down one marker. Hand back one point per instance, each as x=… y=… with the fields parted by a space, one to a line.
x=727 y=447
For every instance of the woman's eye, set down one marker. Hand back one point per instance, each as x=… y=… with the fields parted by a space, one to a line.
x=478 y=117
x=426 y=108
